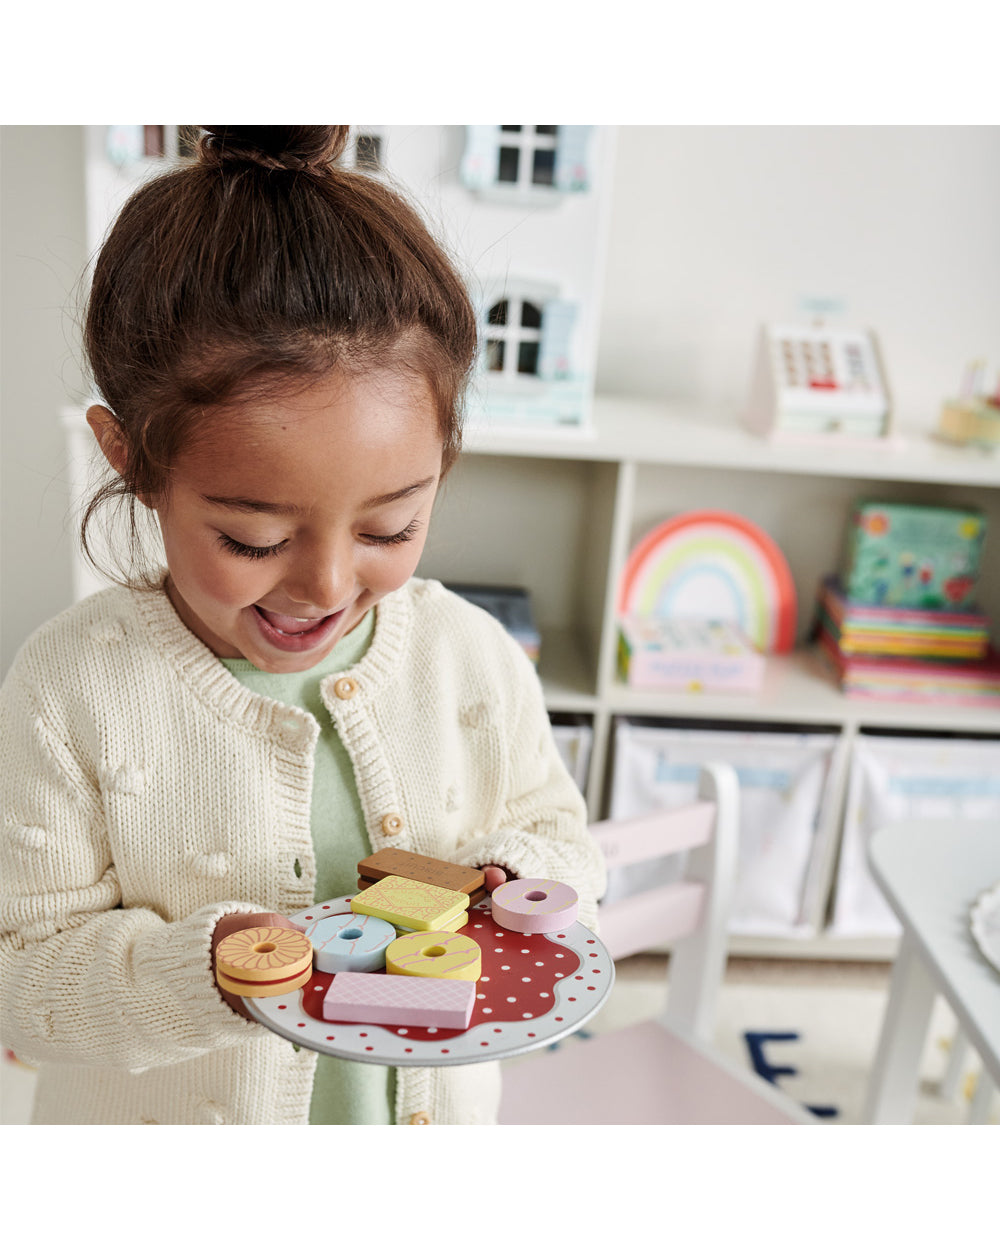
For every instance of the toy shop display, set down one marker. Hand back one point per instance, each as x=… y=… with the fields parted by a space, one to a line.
x=410 y=972
x=712 y=566
x=818 y=381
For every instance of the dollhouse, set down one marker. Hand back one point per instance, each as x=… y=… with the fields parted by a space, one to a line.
x=524 y=212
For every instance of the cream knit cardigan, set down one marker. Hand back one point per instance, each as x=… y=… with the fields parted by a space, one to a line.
x=147 y=792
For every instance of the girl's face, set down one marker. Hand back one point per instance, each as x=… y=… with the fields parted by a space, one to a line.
x=296 y=515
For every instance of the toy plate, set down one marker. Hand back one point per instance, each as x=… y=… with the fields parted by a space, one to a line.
x=985 y=920
x=534 y=990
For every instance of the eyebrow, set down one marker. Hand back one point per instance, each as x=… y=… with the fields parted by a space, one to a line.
x=239 y=503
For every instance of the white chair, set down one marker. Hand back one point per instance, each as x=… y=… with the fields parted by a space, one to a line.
x=663 y=1071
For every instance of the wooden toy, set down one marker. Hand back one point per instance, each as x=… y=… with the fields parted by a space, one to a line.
x=816 y=381
x=713 y=565
x=350 y=943
x=263 y=962
x=535 y=989
x=427 y=1002
x=450 y=926
x=667 y=653
x=410 y=904
x=394 y=862
x=451 y=956
x=534 y=905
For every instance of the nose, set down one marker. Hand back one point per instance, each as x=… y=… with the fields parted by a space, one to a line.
x=323 y=579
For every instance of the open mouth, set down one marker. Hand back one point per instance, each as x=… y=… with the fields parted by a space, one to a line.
x=294 y=633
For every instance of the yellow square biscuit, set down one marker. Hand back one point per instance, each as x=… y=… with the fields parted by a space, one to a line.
x=410 y=904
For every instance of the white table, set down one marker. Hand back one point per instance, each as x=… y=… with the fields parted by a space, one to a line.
x=931 y=873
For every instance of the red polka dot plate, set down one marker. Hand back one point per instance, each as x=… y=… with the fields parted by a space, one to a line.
x=535 y=989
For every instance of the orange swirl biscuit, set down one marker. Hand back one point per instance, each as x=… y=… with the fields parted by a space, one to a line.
x=448 y=956
x=263 y=962
x=410 y=904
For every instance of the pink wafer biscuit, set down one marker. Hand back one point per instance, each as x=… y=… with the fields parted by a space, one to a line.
x=535 y=905
x=424 y=1002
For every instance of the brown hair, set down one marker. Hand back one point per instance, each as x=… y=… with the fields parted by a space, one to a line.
x=257 y=263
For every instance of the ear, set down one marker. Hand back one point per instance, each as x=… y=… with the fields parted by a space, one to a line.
x=109 y=437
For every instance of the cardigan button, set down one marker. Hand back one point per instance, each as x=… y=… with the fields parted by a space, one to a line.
x=421 y=1117
x=392 y=825
x=345 y=687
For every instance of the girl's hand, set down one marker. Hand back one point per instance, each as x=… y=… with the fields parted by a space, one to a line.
x=495 y=877
x=233 y=923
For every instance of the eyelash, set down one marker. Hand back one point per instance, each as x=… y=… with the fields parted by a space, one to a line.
x=261 y=553
x=249 y=553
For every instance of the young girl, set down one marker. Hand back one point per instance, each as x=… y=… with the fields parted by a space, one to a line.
x=280 y=349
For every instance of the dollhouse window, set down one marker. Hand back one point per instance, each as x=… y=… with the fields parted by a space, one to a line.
x=513 y=337
x=527 y=336
x=368 y=151
x=527 y=155
x=526 y=161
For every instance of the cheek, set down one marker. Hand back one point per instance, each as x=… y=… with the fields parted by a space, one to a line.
x=393 y=568
x=213 y=575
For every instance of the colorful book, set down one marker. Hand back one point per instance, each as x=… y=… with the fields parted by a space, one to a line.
x=868 y=629
x=972 y=683
x=914 y=556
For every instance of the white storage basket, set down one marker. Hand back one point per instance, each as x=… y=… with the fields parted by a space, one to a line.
x=895 y=779
x=783 y=787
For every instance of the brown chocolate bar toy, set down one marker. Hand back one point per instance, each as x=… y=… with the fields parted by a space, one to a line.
x=393 y=862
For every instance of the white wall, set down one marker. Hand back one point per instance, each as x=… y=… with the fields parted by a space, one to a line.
x=713 y=229
x=43 y=255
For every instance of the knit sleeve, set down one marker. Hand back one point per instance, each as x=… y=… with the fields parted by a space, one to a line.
x=82 y=979
x=542 y=831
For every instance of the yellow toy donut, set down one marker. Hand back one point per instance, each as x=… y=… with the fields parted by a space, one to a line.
x=450 y=956
x=263 y=962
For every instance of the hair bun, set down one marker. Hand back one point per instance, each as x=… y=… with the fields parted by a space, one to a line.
x=275 y=147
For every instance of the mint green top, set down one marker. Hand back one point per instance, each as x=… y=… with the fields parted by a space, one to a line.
x=344 y=1092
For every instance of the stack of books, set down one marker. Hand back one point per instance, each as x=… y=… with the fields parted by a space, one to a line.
x=917 y=654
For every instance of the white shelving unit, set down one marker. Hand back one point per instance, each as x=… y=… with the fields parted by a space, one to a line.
x=559 y=513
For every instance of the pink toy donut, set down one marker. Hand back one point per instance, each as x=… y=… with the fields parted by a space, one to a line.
x=350 y=943
x=535 y=905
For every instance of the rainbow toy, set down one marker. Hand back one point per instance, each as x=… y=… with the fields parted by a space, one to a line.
x=713 y=566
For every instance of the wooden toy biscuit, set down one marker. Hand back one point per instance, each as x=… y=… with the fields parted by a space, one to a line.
x=450 y=956
x=534 y=905
x=452 y=926
x=410 y=904
x=263 y=962
x=394 y=862
x=424 y=1002
x=349 y=942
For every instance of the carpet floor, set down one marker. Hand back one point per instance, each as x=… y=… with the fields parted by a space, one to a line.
x=815 y=1024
